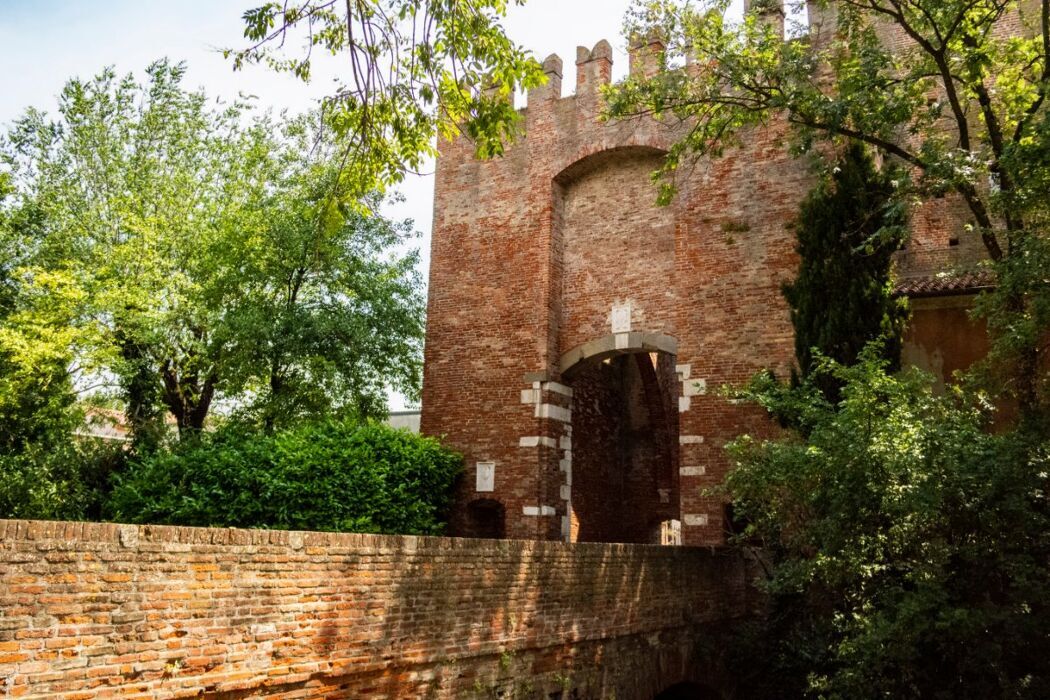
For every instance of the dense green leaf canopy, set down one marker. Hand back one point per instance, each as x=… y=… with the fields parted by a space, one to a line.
x=910 y=546
x=195 y=252
x=334 y=475
x=413 y=70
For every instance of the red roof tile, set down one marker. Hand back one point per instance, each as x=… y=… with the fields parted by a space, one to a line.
x=945 y=284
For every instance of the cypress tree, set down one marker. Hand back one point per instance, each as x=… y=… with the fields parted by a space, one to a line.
x=848 y=229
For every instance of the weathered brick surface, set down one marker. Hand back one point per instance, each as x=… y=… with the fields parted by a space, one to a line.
x=101 y=610
x=532 y=254
x=532 y=251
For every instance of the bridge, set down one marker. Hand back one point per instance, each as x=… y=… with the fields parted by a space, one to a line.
x=90 y=610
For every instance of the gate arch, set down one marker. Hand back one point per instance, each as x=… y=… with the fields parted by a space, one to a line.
x=624 y=439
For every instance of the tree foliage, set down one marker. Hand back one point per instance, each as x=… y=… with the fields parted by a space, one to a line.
x=45 y=472
x=910 y=546
x=196 y=252
x=938 y=85
x=416 y=69
x=842 y=298
x=332 y=475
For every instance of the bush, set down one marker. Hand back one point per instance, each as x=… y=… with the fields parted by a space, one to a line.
x=335 y=476
x=910 y=545
x=57 y=481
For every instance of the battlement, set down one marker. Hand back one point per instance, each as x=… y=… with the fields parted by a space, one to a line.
x=594 y=69
x=594 y=66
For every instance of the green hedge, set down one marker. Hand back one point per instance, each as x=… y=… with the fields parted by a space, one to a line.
x=58 y=480
x=334 y=476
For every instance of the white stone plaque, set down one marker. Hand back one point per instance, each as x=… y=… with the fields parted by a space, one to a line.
x=621 y=318
x=486 y=478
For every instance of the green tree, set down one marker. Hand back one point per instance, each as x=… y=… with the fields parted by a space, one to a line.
x=45 y=470
x=909 y=546
x=208 y=253
x=327 y=317
x=36 y=393
x=842 y=299
x=415 y=69
x=956 y=100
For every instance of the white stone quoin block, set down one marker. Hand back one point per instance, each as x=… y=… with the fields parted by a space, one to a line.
x=536 y=441
x=557 y=388
x=549 y=410
x=538 y=510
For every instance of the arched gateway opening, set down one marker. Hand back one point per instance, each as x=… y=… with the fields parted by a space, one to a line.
x=625 y=442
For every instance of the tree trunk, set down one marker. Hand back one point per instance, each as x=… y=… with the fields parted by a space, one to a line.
x=141 y=395
x=188 y=399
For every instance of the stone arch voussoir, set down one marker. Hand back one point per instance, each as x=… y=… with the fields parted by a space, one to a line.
x=616 y=344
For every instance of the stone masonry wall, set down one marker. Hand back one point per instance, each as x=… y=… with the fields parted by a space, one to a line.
x=98 y=610
x=559 y=246
x=556 y=253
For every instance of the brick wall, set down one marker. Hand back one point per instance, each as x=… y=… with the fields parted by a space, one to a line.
x=100 y=610
x=533 y=256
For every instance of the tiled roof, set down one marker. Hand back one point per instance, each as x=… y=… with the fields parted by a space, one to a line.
x=945 y=284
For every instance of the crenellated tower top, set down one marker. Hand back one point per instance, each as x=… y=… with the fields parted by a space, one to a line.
x=594 y=69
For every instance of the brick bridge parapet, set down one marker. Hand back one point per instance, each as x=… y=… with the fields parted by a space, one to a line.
x=102 y=610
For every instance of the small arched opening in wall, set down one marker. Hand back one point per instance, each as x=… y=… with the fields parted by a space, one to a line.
x=689 y=691
x=485 y=519
x=623 y=472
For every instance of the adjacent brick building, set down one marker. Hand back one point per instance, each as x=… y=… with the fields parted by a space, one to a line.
x=578 y=333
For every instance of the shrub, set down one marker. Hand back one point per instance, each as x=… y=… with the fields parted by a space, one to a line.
x=57 y=480
x=909 y=544
x=333 y=475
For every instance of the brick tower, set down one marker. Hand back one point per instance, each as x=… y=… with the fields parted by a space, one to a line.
x=577 y=331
